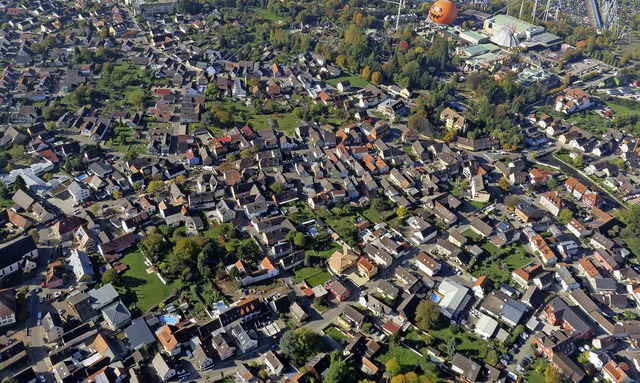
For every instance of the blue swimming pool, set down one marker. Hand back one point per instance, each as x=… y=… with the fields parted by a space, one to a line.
x=435 y=297
x=168 y=319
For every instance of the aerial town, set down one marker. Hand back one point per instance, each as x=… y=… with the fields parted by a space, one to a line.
x=329 y=191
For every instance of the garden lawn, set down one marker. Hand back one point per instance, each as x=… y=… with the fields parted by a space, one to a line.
x=372 y=215
x=472 y=235
x=341 y=225
x=328 y=252
x=478 y=205
x=268 y=15
x=536 y=377
x=335 y=334
x=407 y=358
x=285 y=122
x=512 y=258
x=414 y=339
x=490 y=248
x=314 y=276
x=148 y=288
x=353 y=80
x=623 y=110
x=466 y=343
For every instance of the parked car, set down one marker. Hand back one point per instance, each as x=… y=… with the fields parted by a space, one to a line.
x=42 y=379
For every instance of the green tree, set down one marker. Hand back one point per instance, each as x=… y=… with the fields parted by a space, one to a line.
x=429 y=368
x=393 y=366
x=631 y=233
x=233 y=273
x=130 y=155
x=401 y=211
x=366 y=73
x=427 y=314
x=552 y=183
x=452 y=345
x=154 y=246
x=188 y=248
x=136 y=98
x=117 y=194
x=104 y=33
x=154 y=186
x=552 y=375
x=277 y=187
x=248 y=153
x=565 y=215
x=339 y=371
x=380 y=204
x=578 y=162
x=300 y=345
x=299 y=240
x=377 y=78
x=111 y=276
x=512 y=200
x=504 y=184
x=16 y=152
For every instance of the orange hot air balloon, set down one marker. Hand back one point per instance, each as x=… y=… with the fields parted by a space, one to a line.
x=443 y=12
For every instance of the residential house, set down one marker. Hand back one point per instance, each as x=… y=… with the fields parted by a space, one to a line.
x=455 y=298
x=245 y=342
x=201 y=360
x=8 y=307
x=468 y=370
x=341 y=261
x=78 y=191
x=478 y=191
x=558 y=313
x=273 y=363
x=552 y=202
x=222 y=347
x=427 y=265
x=616 y=373
x=573 y=100
x=18 y=254
x=366 y=268
x=482 y=286
x=52 y=326
x=138 y=334
x=162 y=369
x=454 y=120
x=339 y=290
x=563 y=275
x=116 y=315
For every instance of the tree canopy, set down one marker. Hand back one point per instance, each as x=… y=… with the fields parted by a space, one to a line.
x=427 y=314
x=300 y=345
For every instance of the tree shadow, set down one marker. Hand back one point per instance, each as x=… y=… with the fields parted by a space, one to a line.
x=131 y=282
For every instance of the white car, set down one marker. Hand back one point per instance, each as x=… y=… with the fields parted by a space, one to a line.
x=39 y=316
x=38 y=323
x=42 y=379
x=41 y=299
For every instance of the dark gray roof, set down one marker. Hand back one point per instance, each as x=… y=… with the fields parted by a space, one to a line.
x=139 y=334
x=13 y=251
